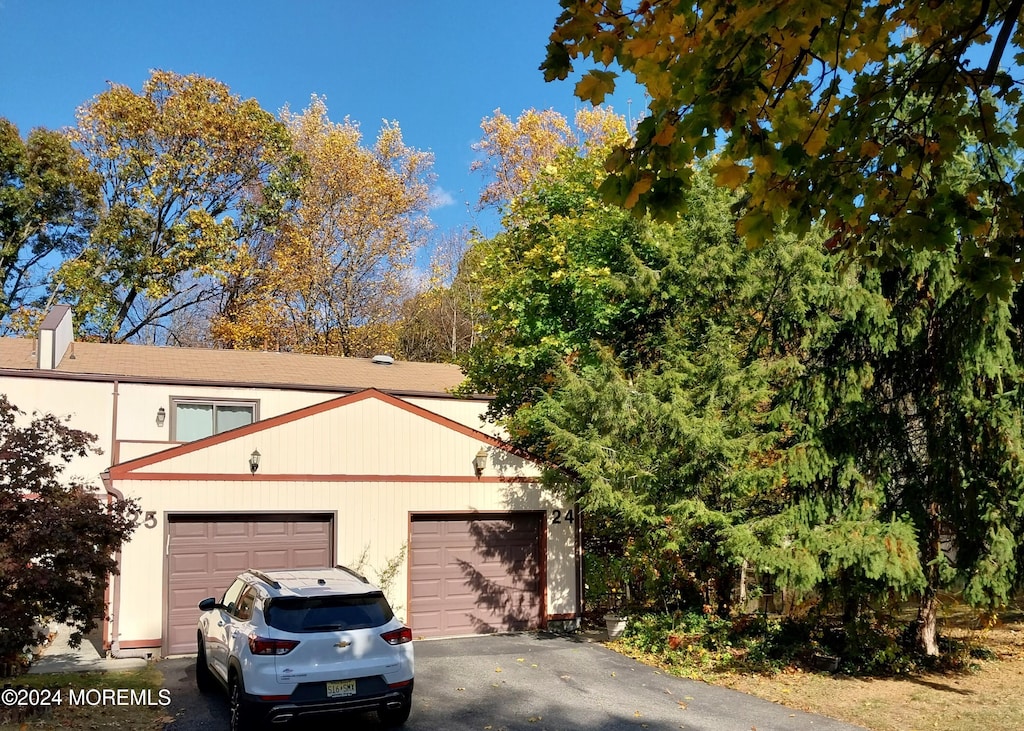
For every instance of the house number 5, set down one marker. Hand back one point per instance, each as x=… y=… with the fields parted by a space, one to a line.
x=147 y=519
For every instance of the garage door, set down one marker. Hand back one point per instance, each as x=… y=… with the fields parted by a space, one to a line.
x=473 y=576
x=204 y=554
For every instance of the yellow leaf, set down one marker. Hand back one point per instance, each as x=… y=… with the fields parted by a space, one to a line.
x=763 y=164
x=665 y=135
x=729 y=174
x=858 y=61
x=639 y=188
x=816 y=140
x=869 y=148
x=641 y=46
x=595 y=85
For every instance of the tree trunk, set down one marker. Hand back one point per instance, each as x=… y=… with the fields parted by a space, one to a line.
x=926 y=636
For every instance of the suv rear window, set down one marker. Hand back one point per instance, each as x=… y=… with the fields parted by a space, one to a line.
x=327 y=613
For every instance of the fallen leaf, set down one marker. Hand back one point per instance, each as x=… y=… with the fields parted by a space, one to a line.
x=460 y=689
x=519 y=659
x=497 y=670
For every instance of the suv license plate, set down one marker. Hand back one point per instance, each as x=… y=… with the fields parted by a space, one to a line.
x=341 y=688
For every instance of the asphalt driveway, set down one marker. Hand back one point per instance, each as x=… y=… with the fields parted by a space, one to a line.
x=532 y=682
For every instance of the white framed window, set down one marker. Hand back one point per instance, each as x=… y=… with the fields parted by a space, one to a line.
x=197 y=418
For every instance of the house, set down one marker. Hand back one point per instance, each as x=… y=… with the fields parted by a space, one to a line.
x=275 y=460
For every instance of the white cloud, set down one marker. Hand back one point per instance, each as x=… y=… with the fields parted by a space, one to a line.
x=441 y=198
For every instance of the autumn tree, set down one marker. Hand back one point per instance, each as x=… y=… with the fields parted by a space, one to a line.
x=48 y=204
x=58 y=536
x=513 y=153
x=329 y=279
x=806 y=103
x=190 y=172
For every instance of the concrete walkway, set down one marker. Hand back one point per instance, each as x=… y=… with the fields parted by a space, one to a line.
x=59 y=657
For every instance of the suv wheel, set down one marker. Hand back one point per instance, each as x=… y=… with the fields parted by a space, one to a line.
x=204 y=678
x=396 y=716
x=241 y=710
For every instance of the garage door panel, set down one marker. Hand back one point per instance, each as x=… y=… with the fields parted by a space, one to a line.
x=310 y=558
x=230 y=561
x=271 y=529
x=186 y=598
x=425 y=557
x=425 y=589
x=196 y=563
x=307 y=528
x=231 y=529
x=206 y=553
x=474 y=575
x=190 y=530
x=268 y=560
x=427 y=528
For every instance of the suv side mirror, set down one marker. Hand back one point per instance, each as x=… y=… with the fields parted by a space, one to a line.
x=208 y=604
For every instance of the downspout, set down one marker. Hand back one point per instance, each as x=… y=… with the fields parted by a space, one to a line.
x=580 y=582
x=105 y=476
x=115 y=579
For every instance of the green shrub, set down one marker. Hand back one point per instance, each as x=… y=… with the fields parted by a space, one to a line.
x=694 y=643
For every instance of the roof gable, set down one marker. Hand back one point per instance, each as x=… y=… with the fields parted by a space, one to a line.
x=358 y=436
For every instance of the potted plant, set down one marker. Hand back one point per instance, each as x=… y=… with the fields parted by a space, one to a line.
x=615 y=622
x=615 y=619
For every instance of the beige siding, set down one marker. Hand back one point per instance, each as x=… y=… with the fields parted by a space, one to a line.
x=368 y=437
x=468 y=412
x=89 y=406
x=372 y=519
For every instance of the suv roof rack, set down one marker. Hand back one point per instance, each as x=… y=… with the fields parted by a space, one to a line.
x=353 y=572
x=263 y=577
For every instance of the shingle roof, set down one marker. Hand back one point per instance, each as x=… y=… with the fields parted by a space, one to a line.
x=149 y=363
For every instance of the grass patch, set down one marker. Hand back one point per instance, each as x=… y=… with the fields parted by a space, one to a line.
x=132 y=701
x=876 y=684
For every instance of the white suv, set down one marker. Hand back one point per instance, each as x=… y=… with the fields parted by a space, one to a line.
x=303 y=643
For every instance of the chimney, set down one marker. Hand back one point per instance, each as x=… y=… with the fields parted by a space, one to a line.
x=55 y=336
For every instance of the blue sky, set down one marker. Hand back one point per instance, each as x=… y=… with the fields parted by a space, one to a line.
x=437 y=68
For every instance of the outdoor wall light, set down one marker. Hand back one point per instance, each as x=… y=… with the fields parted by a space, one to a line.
x=254 y=461
x=480 y=461
x=161 y=416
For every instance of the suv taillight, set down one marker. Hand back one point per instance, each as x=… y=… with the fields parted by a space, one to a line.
x=267 y=646
x=398 y=636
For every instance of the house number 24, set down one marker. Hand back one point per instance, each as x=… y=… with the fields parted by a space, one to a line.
x=557 y=516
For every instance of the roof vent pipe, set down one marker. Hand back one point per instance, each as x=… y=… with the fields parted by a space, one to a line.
x=383 y=360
